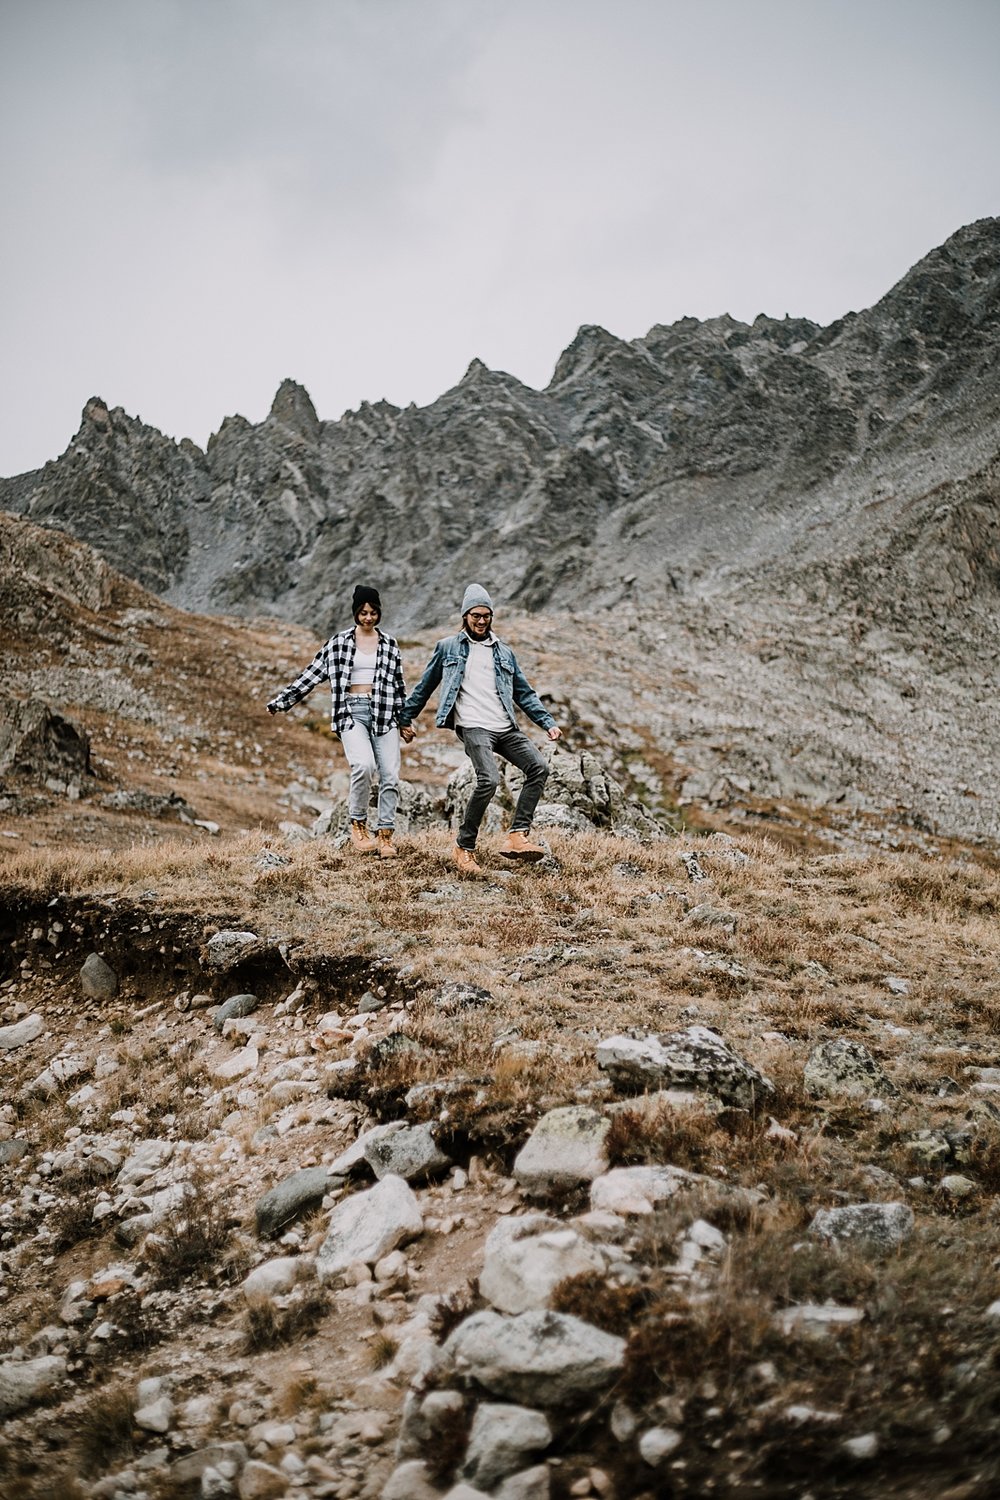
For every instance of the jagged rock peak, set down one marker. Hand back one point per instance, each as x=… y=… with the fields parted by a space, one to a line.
x=591 y=344
x=292 y=407
x=475 y=371
x=96 y=411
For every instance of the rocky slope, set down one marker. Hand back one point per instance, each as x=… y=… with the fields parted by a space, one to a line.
x=143 y=714
x=660 y=1169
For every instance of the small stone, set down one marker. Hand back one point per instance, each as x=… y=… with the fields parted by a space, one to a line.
x=658 y=1444
x=862 y=1447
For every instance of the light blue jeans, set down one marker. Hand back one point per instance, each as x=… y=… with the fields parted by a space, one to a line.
x=367 y=753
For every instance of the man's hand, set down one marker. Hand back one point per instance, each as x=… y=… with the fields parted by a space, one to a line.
x=272 y=708
x=407 y=733
x=555 y=733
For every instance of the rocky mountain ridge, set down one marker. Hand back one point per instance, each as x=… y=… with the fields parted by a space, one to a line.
x=707 y=458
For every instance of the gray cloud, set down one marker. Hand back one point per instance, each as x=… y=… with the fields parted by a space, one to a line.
x=203 y=196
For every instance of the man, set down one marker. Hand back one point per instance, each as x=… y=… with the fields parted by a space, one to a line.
x=481 y=683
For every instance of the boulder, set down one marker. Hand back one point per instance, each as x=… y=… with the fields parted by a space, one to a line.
x=20 y=1033
x=24 y=1382
x=633 y=1191
x=874 y=1227
x=411 y=1153
x=530 y=1484
x=537 y=1358
x=356 y=1154
x=565 y=1149
x=227 y=948
x=145 y=1158
x=38 y=744
x=502 y=1436
x=290 y=1198
x=526 y=1257
x=657 y=1444
x=238 y=1064
x=273 y=1278
x=98 y=980
x=694 y=1058
x=846 y=1070
x=234 y=1008
x=369 y=1225
x=410 y=1481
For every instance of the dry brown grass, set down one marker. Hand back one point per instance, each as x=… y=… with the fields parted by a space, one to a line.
x=266 y=1325
x=932 y=921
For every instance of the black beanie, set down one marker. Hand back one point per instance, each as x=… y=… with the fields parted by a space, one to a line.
x=363 y=595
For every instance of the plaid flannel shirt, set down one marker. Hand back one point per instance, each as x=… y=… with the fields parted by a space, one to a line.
x=334 y=663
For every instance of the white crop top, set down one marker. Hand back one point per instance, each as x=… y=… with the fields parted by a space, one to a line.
x=363 y=671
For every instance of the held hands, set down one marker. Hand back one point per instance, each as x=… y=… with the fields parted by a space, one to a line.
x=555 y=733
x=407 y=733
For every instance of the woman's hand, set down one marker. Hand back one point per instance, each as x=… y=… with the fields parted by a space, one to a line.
x=407 y=733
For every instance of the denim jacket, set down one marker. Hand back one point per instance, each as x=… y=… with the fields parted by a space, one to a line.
x=447 y=667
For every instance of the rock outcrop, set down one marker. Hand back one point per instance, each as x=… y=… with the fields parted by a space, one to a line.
x=647 y=468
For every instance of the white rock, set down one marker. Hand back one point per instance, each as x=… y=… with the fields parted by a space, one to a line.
x=344 y=1164
x=537 y=1358
x=875 y=1227
x=145 y=1158
x=817 y=1319
x=157 y=1416
x=640 y=1190
x=26 y=1381
x=565 y=1149
x=409 y=1481
x=391 y=1268
x=993 y=1311
x=862 y=1447
x=237 y=1065
x=368 y=1225
x=276 y=1277
x=526 y=1257
x=802 y=1415
x=706 y=1237
x=20 y=1033
x=227 y=947
x=530 y=1484
x=657 y=1444
x=501 y=1437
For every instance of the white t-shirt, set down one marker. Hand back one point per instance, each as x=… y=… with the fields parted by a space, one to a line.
x=478 y=703
x=363 y=670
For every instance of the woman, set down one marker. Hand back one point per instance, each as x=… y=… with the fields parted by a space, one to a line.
x=365 y=672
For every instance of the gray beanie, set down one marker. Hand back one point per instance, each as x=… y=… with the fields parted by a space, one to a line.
x=475 y=594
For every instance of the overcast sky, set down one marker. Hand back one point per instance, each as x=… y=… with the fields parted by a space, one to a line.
x=201 y=197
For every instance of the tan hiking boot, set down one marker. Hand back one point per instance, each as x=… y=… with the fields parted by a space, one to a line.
x=466 y=860
x=361 y=840
x=518 y=845
x=386 y=848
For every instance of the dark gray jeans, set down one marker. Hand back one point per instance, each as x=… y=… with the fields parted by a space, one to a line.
x=482 y=746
